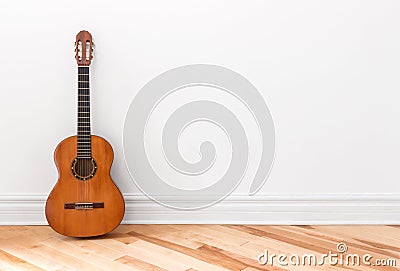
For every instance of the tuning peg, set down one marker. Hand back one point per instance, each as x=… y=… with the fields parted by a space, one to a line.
x=93 y=45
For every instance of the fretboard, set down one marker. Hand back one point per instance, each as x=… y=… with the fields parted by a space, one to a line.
x=84 y=139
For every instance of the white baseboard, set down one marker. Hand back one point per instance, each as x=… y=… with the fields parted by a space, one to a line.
x=285 y=209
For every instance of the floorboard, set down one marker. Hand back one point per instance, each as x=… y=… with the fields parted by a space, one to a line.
x=201 y=247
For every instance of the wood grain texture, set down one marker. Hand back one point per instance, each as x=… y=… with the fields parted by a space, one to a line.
x=191 y=247
x=100 y=188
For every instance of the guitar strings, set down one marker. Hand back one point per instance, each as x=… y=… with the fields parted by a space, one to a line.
x=84 y=167
x=90 y=148
x=85 y=110
x=89 y=136
x=77 y=165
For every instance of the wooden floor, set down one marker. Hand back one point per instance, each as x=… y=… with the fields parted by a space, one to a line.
x=193 y=247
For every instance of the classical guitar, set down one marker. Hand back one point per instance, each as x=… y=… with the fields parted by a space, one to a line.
x=85 y=201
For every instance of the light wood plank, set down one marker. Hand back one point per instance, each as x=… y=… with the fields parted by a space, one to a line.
x=191 y=247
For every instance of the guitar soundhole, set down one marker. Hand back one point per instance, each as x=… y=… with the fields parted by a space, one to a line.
x=84 y=168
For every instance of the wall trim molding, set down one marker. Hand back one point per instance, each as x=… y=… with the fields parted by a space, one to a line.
x=289 y=209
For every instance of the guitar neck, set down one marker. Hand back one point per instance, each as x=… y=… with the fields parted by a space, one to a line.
x=84 y=148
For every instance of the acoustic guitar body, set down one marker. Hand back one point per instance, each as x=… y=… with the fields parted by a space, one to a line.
x=85 y=201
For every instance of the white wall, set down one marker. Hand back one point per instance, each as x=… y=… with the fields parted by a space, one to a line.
x=328 y=70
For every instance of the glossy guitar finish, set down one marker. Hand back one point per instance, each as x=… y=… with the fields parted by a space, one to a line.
x=100 y=188
x=85 y=201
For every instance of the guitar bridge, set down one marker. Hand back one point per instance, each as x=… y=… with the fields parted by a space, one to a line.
x=84 y=205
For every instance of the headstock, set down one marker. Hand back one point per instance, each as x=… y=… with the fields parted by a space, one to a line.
x=83 y=48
